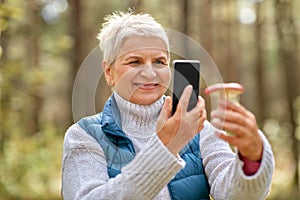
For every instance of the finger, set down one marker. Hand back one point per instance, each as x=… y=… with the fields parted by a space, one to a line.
x=201 y=121
x=185 y=98
x=227 y=126
x=168 y=106
x=236 y=107
x=204 y=115
x=201 y=102
x=220 y=113
x=235 y=129
x=200 y=106
x=164 y=113
x=228 y=115
x=217 y=123
x=248 y=122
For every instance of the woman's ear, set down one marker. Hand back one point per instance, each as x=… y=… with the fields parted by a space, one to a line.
x=108 y=72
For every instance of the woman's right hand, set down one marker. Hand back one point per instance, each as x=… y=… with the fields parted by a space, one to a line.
x=177 y=130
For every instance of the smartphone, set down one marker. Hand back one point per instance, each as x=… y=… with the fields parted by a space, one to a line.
x=186 y=72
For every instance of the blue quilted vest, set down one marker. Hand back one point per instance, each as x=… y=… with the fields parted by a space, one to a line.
x=190 y=183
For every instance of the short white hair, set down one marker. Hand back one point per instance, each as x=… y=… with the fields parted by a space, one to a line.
x=119 y=25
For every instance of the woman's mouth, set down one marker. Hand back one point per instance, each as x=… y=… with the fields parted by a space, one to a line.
x=148 y=86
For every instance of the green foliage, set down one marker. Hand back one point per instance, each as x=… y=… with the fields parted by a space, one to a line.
x=30 y=166
x=30 y=161
x=9 y=12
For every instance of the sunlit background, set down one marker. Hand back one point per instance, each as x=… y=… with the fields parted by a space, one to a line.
x=44 y=42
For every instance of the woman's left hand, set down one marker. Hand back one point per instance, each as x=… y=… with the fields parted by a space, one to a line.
x=241 y=123
x=176 y=130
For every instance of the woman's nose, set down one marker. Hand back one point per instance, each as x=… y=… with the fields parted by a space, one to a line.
x=148 y=71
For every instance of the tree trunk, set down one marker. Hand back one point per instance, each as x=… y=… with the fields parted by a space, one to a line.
x=33 y=57
x=260 y=114
x=224 y=47
x=231 y=70
x=185 y=26
x=4 y=97
x=206 y=40
x=206 y=23
x=77 y=31
x=288 y=48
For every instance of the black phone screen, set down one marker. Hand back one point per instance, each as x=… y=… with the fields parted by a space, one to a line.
x=186 y=72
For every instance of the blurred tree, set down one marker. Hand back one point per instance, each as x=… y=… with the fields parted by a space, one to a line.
x=288 y=47
x=231 y=68
x=260 y=111
x=225 y=41
x=78 y=33
x=32 y=31
x=206 y=23
x=206 y=36
x=184 y=6
x=4 y=95
x=9 y=70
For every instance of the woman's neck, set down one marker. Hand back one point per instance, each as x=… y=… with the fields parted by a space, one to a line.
x=138 y=119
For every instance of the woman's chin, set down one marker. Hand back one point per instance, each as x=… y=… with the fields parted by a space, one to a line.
x=145 y=99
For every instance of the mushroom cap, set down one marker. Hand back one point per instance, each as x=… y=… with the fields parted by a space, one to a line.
x=229 y=88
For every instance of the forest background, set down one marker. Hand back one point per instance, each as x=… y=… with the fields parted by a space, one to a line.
x=44 y=43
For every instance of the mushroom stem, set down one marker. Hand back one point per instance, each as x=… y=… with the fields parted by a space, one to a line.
x=228 y=91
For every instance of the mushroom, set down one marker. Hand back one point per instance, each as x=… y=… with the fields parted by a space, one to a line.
x=228 y=91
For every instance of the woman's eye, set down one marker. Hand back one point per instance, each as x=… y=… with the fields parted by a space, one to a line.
x=160 y=62
x=133 y=62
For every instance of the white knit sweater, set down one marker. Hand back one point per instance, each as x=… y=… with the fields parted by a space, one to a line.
x=84 y=172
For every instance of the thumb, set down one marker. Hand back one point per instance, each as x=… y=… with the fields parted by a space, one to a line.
x=165 y=113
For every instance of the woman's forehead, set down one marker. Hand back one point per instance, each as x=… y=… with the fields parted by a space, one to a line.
x=145 y=52
x=139 y=44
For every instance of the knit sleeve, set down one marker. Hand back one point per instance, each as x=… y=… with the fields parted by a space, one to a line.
x=224 y=169
x=84 y=172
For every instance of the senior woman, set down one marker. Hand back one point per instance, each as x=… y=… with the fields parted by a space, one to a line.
x=135 y=148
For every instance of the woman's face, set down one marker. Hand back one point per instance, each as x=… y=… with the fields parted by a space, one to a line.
x=141 y=72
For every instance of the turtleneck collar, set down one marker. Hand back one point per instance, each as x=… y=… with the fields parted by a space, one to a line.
x=138 y=119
